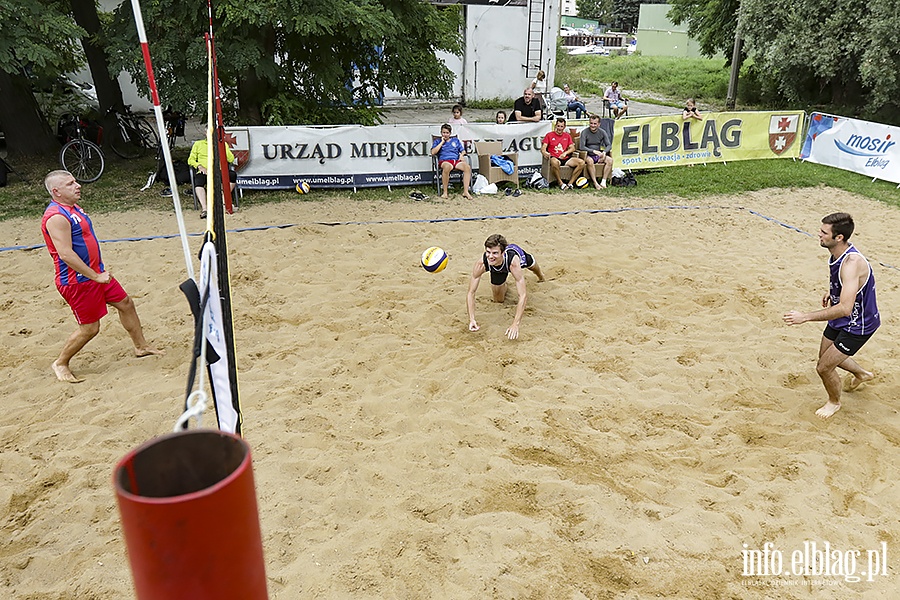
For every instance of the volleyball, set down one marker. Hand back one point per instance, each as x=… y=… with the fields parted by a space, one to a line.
x=581 y=182
x=434 y=260
x=303 y=188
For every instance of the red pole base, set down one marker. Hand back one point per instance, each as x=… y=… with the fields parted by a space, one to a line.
x=189 y=514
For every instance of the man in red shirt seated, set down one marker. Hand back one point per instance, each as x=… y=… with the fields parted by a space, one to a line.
x=559 y=147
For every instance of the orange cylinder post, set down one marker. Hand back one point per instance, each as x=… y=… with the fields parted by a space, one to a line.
x=189 y=514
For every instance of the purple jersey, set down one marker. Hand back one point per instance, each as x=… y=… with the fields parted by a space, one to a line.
x=500 y=273
x=864 y=319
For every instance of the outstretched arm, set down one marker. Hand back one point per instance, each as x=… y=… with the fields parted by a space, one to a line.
x=518 y=274
x=477 y=272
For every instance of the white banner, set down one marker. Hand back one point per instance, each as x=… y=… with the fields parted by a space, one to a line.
x=853 y=145
x=357 y=156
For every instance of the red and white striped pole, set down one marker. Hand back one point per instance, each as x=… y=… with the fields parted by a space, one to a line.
x=161 y=127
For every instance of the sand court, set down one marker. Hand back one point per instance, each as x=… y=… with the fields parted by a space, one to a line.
x=653 y=417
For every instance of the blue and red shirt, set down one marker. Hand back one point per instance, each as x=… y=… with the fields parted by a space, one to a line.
x=451 y=150
x=864 y=319
x=84 y=243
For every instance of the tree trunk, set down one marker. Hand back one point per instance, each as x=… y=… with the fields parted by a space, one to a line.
x=109 y=93
x=26 y=129
x=253 y=90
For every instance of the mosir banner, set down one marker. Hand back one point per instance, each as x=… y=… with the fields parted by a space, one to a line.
x=651 y=142
x=853 y=145
x=356 y=156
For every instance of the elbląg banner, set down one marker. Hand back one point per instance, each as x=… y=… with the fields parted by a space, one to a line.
x=667 y=141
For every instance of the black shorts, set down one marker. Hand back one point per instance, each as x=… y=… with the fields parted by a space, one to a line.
x=847 y=343
x=200 y=178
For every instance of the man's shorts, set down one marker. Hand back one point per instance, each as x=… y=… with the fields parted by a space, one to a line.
x=88 y=300
x=847 y=343
x=617 y=104
x=453 y=163
x=597 y=159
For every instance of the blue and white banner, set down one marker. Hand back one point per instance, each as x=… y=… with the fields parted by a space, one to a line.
x=357 y=156
x=853 y=145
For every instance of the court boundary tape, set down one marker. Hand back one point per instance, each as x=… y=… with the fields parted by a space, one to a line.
x=586 y=211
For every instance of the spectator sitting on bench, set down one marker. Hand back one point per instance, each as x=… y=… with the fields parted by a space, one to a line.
x=559 y=147
x=197 y=160
x=451 y=155
x=617 y=102
x=526 y=108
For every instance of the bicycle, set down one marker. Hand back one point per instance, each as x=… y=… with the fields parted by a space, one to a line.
x=132 y=136
x=79 y=156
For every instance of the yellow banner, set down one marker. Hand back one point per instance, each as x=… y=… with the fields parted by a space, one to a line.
x=651 y=142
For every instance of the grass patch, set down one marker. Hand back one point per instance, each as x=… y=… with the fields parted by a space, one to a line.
x=704 y=79
x=490 y=103
x=739 y=177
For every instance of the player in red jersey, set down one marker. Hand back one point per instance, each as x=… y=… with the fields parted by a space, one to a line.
x=80 y=275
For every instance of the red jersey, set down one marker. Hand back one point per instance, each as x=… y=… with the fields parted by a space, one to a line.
x=557 y=144
x=84 y=242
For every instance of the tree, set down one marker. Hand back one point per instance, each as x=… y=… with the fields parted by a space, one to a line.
x=711 y=22
x=596 y=10
x=38 y=42
x=808 y=52
x=627 y=13
x=294 y=61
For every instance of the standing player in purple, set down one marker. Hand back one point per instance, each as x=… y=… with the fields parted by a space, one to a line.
x=849 y=307
x=451 y=155
x=81 y=278
x=502 y=259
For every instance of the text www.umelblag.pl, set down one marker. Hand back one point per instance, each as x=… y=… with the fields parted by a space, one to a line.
x=816 y=559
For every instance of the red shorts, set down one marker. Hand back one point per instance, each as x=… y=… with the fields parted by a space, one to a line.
x=88 y=300
x=453 y=163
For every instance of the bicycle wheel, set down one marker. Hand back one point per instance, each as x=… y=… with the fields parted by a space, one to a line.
x=149 y=137
x=126 y=141
x=83 y=159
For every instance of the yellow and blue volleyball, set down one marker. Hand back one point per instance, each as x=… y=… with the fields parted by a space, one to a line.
x=303 y=188
x=434 y=260
x=581 y=182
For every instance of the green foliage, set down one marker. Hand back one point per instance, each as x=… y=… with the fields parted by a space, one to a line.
x=328 y=54
x=39 y=37
x=809 y=53
x=284 y=108
x=491 y=103
x=626 y=12
x=711 y=22
x=602 y=11
x=704 y=79
x=752 y=175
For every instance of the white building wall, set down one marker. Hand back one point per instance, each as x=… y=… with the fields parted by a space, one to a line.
x=496 y=47
x=569 y=8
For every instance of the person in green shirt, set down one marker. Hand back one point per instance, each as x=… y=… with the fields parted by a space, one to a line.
x=197 y=161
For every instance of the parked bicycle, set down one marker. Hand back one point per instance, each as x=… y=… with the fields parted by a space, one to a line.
x=79 y=156
x=133 y=136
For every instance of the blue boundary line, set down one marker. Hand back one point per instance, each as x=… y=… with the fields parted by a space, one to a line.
x=593 y=211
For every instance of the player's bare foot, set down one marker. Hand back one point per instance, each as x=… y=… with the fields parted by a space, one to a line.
x=853 y=382
x=63 y=373
x=827 y=410
x=597 y=186
x=467 y=196
x=148 y=351
x=445 y=196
